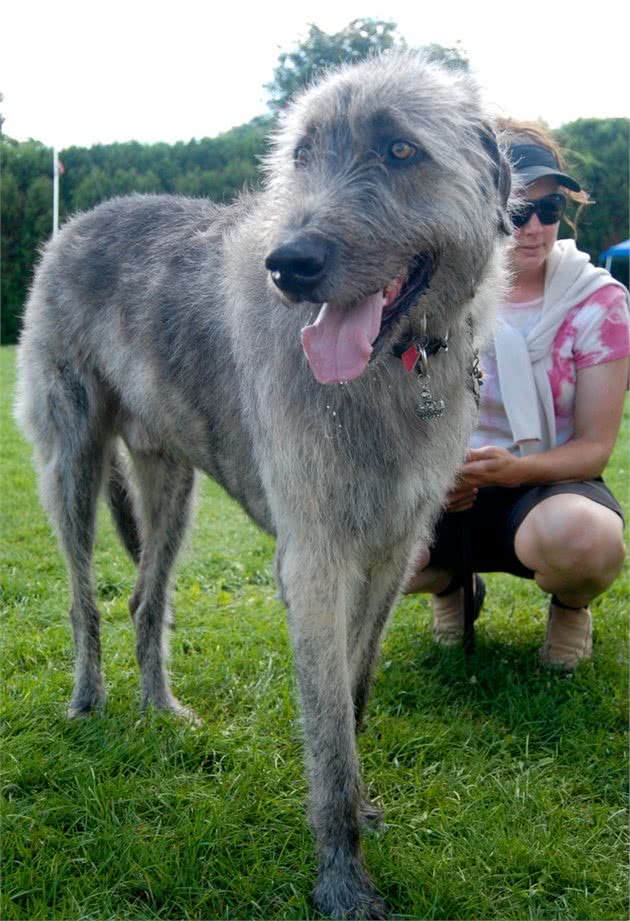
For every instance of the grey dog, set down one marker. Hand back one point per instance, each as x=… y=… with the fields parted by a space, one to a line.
x=292 y=345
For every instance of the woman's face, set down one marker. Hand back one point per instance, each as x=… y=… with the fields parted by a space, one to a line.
x=534 y=241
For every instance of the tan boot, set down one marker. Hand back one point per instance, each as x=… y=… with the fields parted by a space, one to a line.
x=569 y=637
x=448 y=613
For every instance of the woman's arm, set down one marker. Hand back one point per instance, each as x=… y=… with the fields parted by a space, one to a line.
x=599 y=400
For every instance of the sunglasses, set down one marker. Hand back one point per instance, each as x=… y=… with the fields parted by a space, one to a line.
x=549 y=209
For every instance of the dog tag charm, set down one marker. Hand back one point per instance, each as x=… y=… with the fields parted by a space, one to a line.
x=428 y=408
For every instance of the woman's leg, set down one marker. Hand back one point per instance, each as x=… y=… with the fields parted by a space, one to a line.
x=575 y=548
x=447 y=596
x=427 y=578
x=573 y=545
x=490 y=541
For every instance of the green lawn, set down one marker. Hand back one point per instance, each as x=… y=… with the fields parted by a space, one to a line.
x=504 y=787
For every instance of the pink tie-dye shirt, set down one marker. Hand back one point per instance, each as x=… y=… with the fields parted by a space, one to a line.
x=592 y=333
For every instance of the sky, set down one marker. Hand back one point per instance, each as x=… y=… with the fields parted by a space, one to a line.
x=82 y=73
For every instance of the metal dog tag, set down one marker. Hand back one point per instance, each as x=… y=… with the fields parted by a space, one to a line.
x=428 y=408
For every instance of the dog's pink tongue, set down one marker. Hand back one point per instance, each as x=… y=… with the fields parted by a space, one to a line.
x=338 y=344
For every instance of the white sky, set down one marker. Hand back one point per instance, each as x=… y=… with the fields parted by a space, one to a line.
x=84 y=72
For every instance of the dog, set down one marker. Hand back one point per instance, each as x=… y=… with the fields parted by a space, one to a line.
x=312 y=348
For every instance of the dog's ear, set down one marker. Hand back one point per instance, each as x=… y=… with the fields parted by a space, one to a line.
x=501 y=174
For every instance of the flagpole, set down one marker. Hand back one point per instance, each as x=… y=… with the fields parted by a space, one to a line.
x=55 y=192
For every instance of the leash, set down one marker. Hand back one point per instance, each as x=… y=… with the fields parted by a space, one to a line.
x=468 y=581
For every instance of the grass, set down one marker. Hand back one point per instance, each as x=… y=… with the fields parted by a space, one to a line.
x=504 y=787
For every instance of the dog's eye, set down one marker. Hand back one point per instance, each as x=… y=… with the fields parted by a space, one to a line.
x=403 y=150
x=302 y=155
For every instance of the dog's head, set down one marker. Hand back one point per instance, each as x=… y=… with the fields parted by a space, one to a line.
x=385 y=179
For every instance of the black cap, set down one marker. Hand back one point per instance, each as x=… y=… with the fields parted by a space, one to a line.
x=531 y=161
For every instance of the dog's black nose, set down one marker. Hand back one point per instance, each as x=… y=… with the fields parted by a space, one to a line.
x=297 y=267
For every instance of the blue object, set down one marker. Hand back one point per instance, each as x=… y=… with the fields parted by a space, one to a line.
x=618 y=250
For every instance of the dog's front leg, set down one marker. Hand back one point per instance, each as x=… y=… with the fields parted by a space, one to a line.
x=316 y=593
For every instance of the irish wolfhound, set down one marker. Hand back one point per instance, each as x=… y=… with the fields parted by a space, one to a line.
x=292 y=346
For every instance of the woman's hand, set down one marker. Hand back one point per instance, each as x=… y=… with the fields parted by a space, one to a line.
x=461 y=497
x=490 y=466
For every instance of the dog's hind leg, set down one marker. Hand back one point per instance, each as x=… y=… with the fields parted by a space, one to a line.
x=317 y=592
x=65 y=412
x=164 y=488
x=367 y=620
x=120 y=499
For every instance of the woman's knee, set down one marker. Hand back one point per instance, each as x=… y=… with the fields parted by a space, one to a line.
x=571 y=533
x=425 y=577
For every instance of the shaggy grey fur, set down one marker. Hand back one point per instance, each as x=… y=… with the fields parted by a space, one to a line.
x=153 y=320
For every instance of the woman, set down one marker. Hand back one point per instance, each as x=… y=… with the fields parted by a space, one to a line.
x=551 y=405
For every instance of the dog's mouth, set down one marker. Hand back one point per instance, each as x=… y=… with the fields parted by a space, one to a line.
x=339 y=344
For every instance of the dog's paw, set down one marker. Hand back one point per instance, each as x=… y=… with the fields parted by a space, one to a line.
x=351 y=896
x=186 y=714
x=170 y=704
x=77 y=713
x=85 y=701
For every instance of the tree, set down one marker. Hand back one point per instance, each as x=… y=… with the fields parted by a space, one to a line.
x=358 y=40
x=452 y=58
x=26 y=222
x=320 y=50
x=596 y=149
x=215 y=168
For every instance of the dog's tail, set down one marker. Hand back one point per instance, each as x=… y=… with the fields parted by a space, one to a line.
x=120 y=498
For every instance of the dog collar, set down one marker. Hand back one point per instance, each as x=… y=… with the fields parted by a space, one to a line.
x=414 y=353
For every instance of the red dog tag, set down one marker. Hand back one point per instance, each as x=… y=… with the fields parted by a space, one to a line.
x=410 y=357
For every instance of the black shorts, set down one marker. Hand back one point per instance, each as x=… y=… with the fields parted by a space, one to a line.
x=491 y=525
